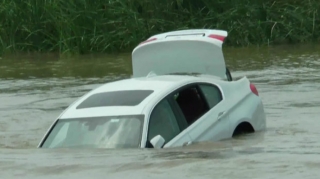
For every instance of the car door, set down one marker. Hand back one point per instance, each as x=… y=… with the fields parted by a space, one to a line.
x=167 y=122
x=203 y=109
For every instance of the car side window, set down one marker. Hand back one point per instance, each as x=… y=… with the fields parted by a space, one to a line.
x=191 y=103
x=211 y=93
x=163 y=122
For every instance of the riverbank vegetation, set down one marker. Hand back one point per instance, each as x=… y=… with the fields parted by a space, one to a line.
x=90 y=26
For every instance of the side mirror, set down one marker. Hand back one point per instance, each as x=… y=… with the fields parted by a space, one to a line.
x=157 y=141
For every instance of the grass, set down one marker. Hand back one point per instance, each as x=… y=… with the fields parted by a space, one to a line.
x=100 y=26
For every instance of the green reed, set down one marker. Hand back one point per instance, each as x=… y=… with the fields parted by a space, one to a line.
x=90 y=26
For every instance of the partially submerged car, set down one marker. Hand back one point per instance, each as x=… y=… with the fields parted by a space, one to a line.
x=180 y=92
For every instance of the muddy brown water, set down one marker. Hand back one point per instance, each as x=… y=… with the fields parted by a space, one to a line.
x=34 y=90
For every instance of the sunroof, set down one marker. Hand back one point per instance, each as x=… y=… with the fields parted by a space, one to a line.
x=115 y=98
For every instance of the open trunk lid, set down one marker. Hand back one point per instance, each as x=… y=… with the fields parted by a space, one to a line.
x=185 y=51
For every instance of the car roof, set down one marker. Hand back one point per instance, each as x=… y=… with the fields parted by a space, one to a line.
x=158 y=84
x=155 y=83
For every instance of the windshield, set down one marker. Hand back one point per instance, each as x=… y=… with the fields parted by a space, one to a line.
x=96 y=132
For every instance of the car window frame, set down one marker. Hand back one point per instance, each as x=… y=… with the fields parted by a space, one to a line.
x=215 y=86
x=141 y=118
x=182 y=122
x=179 y=118
x=190 y=85
x=48 y=133
x=197 y=85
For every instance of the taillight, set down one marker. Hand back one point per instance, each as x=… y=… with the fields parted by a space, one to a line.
x=254 y=89
x=218 y=37
x=149 y=40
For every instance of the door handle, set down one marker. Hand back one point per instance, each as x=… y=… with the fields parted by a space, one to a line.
x=186 y=143
x=220 y=115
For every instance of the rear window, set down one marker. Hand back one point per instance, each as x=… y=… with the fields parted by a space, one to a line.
x=115 y=98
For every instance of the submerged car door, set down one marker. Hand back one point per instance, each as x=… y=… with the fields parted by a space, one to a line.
x=203 y=107
x=167 y=122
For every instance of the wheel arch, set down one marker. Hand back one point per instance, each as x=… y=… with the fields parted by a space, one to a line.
x=243 y=127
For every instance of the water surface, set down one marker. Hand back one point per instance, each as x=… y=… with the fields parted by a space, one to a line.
x=35 y=89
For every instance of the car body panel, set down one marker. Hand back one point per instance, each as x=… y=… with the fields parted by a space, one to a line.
x=239 y=104
x=211 y=126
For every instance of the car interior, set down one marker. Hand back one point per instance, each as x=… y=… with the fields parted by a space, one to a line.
x=192 y=104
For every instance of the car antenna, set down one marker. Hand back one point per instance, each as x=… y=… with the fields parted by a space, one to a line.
x=151 y=74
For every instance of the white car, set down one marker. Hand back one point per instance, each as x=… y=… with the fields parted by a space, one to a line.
x=180 y=92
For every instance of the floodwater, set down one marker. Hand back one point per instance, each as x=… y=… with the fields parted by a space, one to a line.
x=34 y=90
